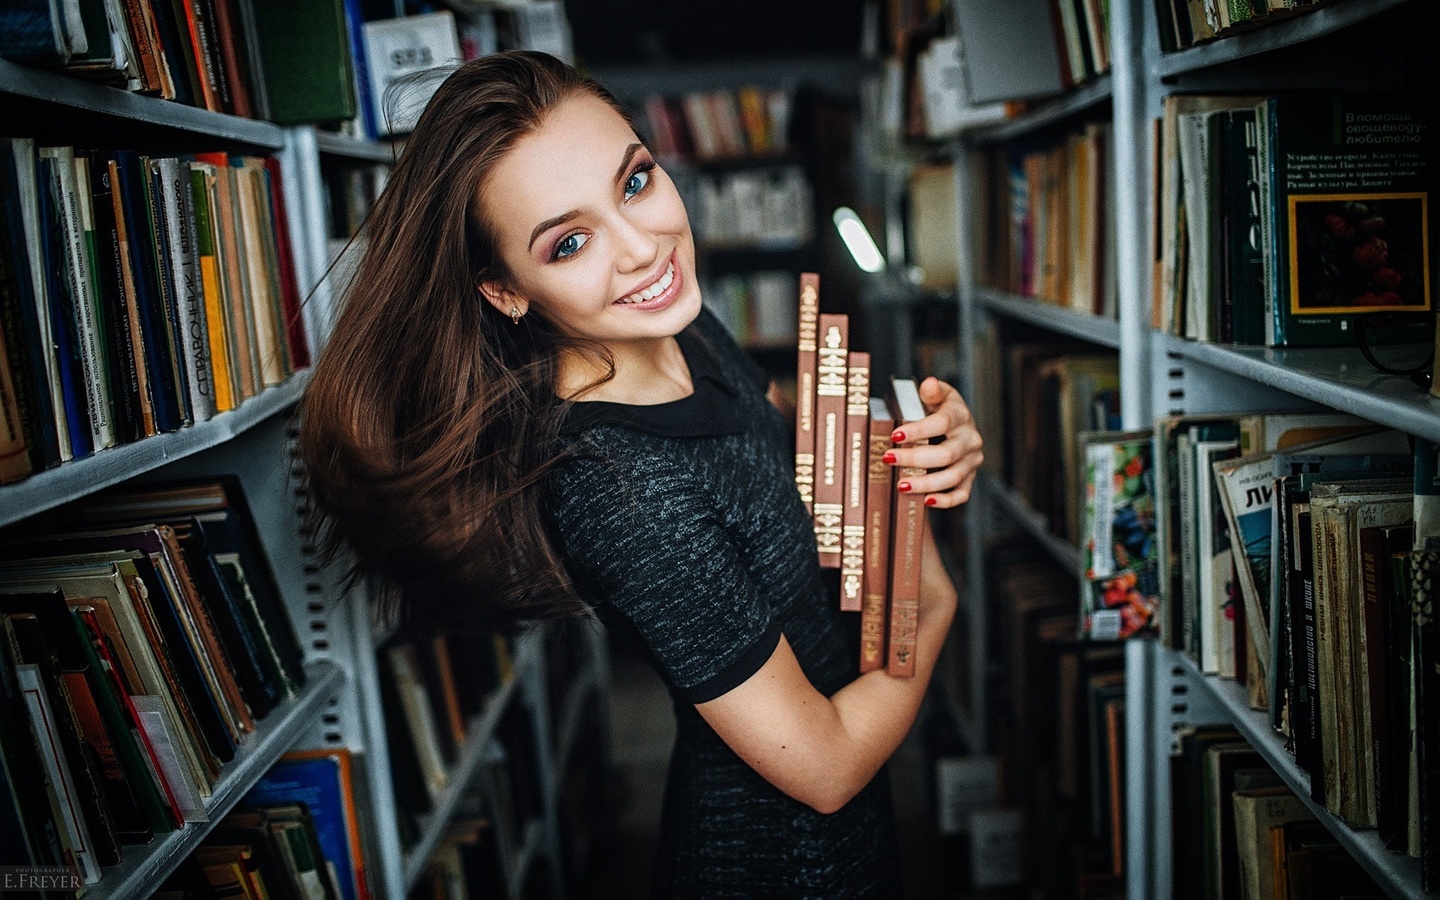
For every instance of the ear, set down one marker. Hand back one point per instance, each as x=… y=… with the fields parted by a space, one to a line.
x=501 y=297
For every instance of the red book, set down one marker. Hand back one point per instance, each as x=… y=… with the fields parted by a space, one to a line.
x=290 y=298
x=805 y=389
x=908 y=537
x=857 y=465
x=831 y=357
x=879 y=502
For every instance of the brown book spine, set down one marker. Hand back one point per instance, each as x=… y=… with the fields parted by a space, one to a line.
x=805 y=389
x=831 y=357
x=879 y=501
x=857 y=465
x=908 y=537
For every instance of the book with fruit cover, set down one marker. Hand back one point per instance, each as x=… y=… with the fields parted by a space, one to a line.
x=1119 y=578
x=809 y=318
x=1344 y=202
x=857 y=466
x=908 y=527
x=879 y=502
x=831 y=357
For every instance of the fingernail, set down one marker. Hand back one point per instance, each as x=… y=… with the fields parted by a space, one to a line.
x=931 y=501
x=903 y=486
x=888 y=457
x=898 y=436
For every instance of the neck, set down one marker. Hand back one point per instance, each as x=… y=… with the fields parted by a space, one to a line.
x=646 y=373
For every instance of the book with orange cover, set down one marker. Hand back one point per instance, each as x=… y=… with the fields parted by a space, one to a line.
x=857 y=466
x=809 y=318
x=831 y=357
x=908 y=537
x=879 y=502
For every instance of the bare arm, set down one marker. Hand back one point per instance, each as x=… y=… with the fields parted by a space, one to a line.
x=823 y=750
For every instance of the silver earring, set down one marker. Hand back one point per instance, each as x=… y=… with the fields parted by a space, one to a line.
x=515 y=314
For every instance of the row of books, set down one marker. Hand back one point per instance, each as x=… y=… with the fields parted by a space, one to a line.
x=1049 y=221
x=1241 y=834
x=1285 y=218
x=1291 y=552
x=202 y=54
x=295 y=835
x=766 y=207
x=757 y=307
x=432 y=692
x=144 y=638
x=289 y=63
x=865 y=525
x=1184 y=23
x=724 y=123
x=138 y=295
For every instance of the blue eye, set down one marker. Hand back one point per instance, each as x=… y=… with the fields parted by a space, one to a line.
x=568 y=245
x=636 y=182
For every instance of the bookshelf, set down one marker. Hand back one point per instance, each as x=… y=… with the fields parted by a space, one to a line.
x=1163 y=374
x=339 y=706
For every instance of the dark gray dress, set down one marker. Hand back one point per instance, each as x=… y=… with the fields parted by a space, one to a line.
x=681 y=525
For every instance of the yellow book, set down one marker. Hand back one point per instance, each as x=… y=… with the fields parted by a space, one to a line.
x=202 y=177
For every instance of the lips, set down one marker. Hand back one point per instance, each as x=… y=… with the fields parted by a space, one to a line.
x=658 y=293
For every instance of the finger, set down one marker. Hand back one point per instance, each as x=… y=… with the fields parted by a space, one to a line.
x=943 y=480
x=959 y=443
x=950 y=499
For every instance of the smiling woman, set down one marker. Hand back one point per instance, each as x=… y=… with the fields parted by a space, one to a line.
x=525 y=411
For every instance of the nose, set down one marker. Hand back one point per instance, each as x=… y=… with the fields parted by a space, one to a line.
x=636 y=247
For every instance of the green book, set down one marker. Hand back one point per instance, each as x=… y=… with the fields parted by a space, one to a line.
x=307 y=63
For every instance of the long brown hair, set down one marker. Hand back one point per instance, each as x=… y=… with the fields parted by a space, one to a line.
x=432 y=418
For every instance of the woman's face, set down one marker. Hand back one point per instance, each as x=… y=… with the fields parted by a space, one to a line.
x=594 y=234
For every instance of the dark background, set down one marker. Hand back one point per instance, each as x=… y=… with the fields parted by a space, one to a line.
x=648 y=32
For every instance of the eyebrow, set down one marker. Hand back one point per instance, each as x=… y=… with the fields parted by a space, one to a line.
x=565 y=217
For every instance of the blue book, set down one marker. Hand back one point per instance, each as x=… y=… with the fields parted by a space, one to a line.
x=159 y=350
x=62 y=313
x=322 y=781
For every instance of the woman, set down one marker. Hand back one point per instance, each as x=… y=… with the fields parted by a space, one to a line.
x=524 y=412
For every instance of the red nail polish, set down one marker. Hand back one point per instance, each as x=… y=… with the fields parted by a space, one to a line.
x=903 y=487
x=931 y=501
x=898 y=436
x=888 y=457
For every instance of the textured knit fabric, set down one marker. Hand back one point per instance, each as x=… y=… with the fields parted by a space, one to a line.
x=681 y=524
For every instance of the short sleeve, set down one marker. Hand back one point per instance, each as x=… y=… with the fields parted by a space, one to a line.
x=641 y=536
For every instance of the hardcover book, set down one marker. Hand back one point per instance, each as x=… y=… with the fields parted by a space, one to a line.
x=857 y=469
x=1345 y=204
x=806 y=344
x=832 y=352
x=908 y=530
x=879 y=502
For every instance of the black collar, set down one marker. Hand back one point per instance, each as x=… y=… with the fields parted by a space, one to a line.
x=708 y=411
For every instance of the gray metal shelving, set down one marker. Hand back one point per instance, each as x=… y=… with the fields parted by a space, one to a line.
x=1164 y=374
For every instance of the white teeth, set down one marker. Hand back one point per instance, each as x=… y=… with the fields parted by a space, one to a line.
x=655 y=289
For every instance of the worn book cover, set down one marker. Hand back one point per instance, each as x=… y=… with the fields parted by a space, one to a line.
x=907 y=540
x=1345 y=204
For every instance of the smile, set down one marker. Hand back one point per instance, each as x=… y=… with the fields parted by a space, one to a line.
x=657 y=290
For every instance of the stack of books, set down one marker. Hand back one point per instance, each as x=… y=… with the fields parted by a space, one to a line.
x=866 y=526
